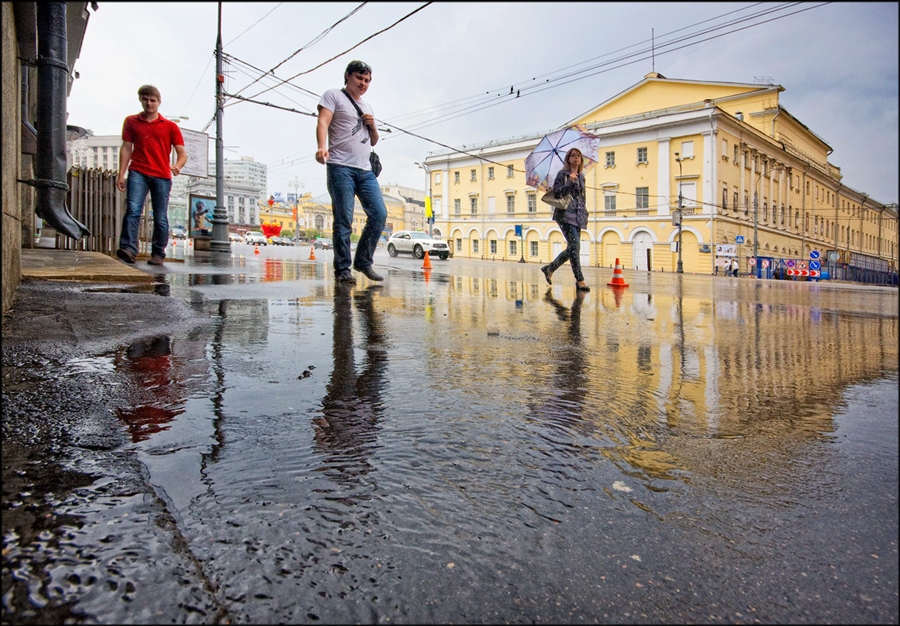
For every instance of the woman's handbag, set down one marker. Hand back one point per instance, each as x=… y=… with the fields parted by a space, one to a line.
x=557 y=203
x=374 y=161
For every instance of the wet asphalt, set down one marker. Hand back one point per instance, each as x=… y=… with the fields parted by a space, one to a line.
x=239 y=440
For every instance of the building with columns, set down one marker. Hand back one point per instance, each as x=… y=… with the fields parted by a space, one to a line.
x=754 y=182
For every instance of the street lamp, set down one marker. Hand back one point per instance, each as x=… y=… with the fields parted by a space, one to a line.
x=679 y=213
x=428 y=219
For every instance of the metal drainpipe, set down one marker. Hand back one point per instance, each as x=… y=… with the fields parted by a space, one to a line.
x=50 y=164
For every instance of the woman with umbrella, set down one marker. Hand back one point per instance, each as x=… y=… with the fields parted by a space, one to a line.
x=572 y=219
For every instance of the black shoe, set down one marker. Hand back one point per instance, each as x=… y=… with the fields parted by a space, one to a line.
x=547 y=274
x=345 y=277
x=369 y=273
x=582 y=288
x=125 y=255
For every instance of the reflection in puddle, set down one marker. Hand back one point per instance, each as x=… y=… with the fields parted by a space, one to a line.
x=347 y=430
x=161 y=376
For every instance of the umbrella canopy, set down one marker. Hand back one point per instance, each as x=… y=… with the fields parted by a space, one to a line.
x=545 y=161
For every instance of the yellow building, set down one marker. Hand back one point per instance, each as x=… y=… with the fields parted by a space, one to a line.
x=754 y=182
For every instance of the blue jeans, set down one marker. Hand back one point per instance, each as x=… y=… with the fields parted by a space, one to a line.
x=572 y=251
x=345 y=183
x=137 y=187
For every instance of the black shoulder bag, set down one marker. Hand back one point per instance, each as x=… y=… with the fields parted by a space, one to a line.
x=374 y=161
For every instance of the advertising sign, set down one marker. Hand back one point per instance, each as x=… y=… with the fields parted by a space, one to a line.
x=203 y=209
x=725 y=249
x=197 y=146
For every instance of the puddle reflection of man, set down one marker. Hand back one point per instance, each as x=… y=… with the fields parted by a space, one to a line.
x=347 y=430
x=150 y=361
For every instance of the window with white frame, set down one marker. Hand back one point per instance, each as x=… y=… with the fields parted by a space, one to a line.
x=513 y=248
x=457 y=208
x=493 y=246
x=490 y=173
x=456 y=177
x=437 y=178
x=610 y=159
x=642 y=197
x=687 y=149
x=510 y=203
x=609 y=202
x=533 y=248
x=689 y=194
x=473 y=205
x=725 y=148
x=475 y=246
x=642 y=155
x=532 y=203
x=510 y=171
x=736 y=154
x=472 y=177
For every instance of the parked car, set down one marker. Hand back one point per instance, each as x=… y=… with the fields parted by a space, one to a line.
x=254 y=238
x=323 y=243
x=281 y=241
x=234 y=237
x=417 y=244
x=178 y=233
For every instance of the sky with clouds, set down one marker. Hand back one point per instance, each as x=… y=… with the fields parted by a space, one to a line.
x=442 y=71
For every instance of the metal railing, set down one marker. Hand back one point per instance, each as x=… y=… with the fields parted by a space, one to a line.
x=94 y=200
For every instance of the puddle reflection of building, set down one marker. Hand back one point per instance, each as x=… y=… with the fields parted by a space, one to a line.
x=347 y=430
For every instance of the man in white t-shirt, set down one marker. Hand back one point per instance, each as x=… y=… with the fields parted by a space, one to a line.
x=350 y=137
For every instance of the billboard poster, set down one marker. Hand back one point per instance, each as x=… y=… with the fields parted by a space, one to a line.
x=203 y=210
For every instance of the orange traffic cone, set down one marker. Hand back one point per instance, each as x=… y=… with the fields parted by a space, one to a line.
x=312 y=253
x=618 y=279
x=427 y=264
x=256 y=249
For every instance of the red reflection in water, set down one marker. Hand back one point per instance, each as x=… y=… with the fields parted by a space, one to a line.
x=150 y=361
x=274 y=270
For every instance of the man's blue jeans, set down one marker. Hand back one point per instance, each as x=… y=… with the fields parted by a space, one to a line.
x=137 y=187
x=345 y=183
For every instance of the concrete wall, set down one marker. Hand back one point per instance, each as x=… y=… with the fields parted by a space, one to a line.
x=11 y=190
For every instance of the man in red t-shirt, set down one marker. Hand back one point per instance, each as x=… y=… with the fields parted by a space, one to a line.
x=147 y=142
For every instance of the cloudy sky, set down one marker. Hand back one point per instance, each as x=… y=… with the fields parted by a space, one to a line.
x=442 y=72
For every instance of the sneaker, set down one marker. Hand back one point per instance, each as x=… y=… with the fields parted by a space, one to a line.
x=345 y=277
x=156 y=260
x=369 y=273
x=547 y=274
x=125 y=256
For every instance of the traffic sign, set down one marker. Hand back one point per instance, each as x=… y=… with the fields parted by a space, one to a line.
x=765 y=263
x=790 y=262
x=739 y=239
x=814 y=265
x=814 y=254
x=802 y=265
x=751 y=261
x=814 y=273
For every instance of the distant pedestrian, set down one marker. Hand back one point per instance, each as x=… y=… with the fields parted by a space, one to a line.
x=147 y=142
x=350 y=137
x=734 y=267
x=571 y=220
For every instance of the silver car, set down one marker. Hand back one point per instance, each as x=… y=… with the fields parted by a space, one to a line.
x=417 y=244
x=256 y=238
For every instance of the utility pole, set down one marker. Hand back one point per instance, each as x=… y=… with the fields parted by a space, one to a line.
x=296 y=185
x=680 y=214
x=220 y=241
x=428 y=219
